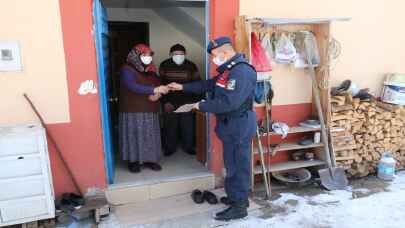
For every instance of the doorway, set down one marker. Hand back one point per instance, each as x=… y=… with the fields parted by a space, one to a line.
x=160 y=24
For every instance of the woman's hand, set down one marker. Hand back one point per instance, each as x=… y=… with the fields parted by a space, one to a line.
x=155 y=97
x=161 y=90
x=175 y=86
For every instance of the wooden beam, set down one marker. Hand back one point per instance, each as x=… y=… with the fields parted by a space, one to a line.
x=242 y=36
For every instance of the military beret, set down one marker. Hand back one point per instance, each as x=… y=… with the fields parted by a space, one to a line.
x=218 y=42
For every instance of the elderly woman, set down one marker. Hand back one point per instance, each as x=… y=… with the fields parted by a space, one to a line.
x=139 y=130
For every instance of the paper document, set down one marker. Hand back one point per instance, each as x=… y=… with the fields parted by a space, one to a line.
x=185 y=108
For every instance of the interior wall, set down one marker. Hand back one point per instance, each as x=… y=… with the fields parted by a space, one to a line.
x=43 y=75
x=164 y=34
x=371 y=41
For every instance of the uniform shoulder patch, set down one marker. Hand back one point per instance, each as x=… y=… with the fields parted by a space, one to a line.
x=231 y=84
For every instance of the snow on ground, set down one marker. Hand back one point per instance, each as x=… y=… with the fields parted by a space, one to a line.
x=337 y=209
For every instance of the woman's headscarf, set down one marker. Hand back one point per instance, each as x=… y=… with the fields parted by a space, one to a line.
x=134 y=58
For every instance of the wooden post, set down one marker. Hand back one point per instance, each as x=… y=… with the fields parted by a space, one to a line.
x=241 y=36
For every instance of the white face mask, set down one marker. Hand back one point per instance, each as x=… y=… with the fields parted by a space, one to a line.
x=178 y=59
x=146 y=59
x=217 y=61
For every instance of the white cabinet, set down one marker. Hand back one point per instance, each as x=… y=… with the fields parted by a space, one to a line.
x=26 y=191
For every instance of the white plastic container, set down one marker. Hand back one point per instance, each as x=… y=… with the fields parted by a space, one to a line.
x=394 y=89
x=386 y=167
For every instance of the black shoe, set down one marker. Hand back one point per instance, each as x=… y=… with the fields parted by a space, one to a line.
x=226 y=200
x=134 y=167
x=221 y=213
x=168 y=153
x=190 y=151
x=210 y=197
x=197 y=196
x=76 y=200
x=153 y=166
x=236 y=211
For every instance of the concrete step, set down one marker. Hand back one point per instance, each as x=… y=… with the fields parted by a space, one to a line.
x=175 y=211
x=148 y=190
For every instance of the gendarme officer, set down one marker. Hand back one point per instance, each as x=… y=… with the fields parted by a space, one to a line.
x=230 y=98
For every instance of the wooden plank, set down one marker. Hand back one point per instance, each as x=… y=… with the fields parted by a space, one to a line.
x=337 y=129
x=296 y=21
x=295 y=146
x=242 y=36
x=282 y=166
x=344 y=138
x=291 y=146
x=297 y=129
x=201 y=139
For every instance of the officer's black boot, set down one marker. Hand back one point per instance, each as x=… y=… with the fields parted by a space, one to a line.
x=237 y=210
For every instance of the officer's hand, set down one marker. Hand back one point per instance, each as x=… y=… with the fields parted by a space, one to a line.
x=196 y=106
x=175 y=86
x=161 y=90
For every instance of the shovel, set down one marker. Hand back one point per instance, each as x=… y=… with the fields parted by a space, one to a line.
x=332 y=178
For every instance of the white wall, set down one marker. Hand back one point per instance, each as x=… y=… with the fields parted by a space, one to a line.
x=164 y=34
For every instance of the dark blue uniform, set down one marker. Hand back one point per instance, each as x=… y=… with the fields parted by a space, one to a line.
x=230 y=98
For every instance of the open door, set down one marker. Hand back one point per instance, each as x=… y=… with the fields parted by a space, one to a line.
x=101 y=40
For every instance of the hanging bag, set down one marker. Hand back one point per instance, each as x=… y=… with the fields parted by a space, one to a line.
x=285 y=50
x=260 y=60
x=267 y=45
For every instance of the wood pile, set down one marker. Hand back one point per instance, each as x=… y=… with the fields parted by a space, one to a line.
x=361 y=131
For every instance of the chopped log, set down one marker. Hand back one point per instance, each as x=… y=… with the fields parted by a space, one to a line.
x=336 y=108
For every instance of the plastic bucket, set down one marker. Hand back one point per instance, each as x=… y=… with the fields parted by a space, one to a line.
x=394 y=89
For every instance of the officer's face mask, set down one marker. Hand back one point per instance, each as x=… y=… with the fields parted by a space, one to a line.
x=219 y=60
x=146 y=59
x=178 y=59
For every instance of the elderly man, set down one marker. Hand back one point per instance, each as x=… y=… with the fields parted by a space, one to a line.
x=178 y=128
x=231 y=100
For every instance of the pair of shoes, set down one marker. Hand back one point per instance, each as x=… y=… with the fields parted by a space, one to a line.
x=70 y=202
x=134 y=167
x=153 y=166
x=168 y=153
x=237 y=210
x=190 y=151
x=199 y=197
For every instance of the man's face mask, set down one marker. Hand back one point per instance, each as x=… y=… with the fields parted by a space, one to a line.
x=178 y=59
x=146 y=59
x=219 y=59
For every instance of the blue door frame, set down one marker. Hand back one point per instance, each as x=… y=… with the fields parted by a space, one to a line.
x=100 y=27
x=102 y=50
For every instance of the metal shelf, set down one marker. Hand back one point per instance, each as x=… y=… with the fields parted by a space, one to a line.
x=282 y=166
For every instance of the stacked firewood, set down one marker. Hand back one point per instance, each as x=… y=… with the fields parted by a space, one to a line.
x=361 y=131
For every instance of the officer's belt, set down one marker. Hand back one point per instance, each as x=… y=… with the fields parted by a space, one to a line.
x=242 y=110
